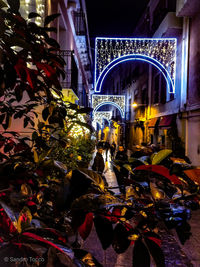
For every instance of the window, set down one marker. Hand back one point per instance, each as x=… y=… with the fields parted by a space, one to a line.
x=159 y=89
x=74 y=75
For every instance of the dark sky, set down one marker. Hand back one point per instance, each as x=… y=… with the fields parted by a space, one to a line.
x=113 y=18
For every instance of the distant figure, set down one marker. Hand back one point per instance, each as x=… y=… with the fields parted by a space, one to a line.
x=112 y=149
x=107 y=147
x=121 y=154
x=138 y=152
x=99 y=164
x=100 y=144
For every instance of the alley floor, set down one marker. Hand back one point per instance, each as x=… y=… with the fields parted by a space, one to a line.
x=175 y=254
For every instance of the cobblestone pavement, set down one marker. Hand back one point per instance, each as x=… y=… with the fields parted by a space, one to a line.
x=175 y=254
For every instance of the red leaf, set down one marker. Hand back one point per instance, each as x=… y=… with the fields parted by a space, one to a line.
x=20 y=68
x=86 y=227
x=6 y=224
x=49 y=71
x=160 y=170
x=156 y=240
x=38 y=238
x=116 y=213
x=30 y=78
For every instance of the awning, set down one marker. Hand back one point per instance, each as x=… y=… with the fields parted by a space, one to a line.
x=152 y=123
x=166 y=121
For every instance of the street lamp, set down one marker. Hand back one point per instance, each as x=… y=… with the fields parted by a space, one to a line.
x=135 y=105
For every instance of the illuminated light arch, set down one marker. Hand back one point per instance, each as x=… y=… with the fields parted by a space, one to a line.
x=98 y=117
x=115 y=100
x=160 y=52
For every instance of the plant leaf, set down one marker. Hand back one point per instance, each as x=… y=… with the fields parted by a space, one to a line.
x=33 y=15
x=24 y=219
x=141 y=257
x=2 y=4
x=161 y=155
x=14 y=5
x=104 y=230
x=50 y=18
x=156 y=252
x=45 y=113
x=120 y=241
x=86 y=227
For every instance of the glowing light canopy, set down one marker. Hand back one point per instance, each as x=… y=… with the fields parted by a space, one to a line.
x=116 y=100
x=160 y=52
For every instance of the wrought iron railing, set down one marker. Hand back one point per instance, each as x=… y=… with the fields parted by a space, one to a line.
x=79 y=22
x=71 y=71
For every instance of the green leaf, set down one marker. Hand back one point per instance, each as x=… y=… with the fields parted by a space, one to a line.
x=120 y=241
x=104 y=231
x=18 y=93
x=2 y=116
x=50 y=29
x=50 y=18
x=2 y=4
x=33 y=15
x=14 y=5
x=156 y=252
x=26 y=120
x=24 y=219
x=141 y=255
x=53 y=42
x=34 y=135
x=45 y=113
x=84 y=110
x=161 y=155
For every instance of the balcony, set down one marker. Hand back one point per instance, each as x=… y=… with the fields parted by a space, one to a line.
x=71 y=71
x=79 y=23
x=171 y=26
x=187 y=8
x=161 y=10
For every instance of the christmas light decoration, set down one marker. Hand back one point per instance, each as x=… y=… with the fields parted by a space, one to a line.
x=99 y=116
x=160 y=52
x=38 y=6
x=116 y=100
x=76 y=130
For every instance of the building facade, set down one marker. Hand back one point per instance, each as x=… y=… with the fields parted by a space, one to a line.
x=73 y=37
x=169 y=120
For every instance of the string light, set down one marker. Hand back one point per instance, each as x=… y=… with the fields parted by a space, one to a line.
x=99 y=116
x=116 y=100
x=77 y=130
x=38 y=6
x=161 y=52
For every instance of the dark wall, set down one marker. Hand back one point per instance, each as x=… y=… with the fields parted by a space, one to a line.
x=194 y=62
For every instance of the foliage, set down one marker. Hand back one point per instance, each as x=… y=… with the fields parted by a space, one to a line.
x=43 y=204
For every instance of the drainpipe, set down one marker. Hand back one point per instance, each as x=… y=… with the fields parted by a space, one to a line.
x=184 y=63
x=184 y=73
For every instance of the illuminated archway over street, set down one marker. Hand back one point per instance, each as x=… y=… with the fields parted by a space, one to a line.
x=99 y=116
x=115 y=100
x=160 y=52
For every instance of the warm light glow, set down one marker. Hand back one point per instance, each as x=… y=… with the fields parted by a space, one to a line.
x=134 y=105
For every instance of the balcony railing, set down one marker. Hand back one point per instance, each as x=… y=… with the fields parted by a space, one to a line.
x=71 y=71
x=79 y=23
x=163 y=7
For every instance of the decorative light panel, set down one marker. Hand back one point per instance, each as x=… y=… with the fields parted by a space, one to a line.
x=116 y=100
x=160 y=52
x=99 y=116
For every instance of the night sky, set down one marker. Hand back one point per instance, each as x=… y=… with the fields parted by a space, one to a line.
x=113 y=18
